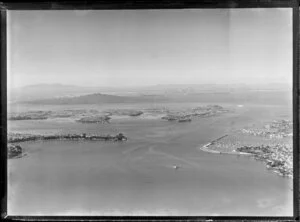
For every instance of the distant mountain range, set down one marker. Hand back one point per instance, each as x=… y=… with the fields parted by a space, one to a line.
x=248 y=97
x=70 y=94
x=46 y=91
x=98 y=98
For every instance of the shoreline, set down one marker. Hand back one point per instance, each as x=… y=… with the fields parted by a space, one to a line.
x=105 y=116
x=14 y=150
x=19 y=138
x=278 y=168
x=234 y=152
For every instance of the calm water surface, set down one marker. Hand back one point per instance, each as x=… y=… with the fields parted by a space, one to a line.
x=137 y=177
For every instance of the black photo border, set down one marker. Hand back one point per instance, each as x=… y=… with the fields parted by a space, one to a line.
x=140 y=4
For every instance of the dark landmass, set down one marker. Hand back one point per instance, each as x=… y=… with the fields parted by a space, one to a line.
x=85 y=116
x=17 y=137
x=14 y=151
x=184 y=120
x=171 y=117
x=97 y=98
x=246 y=97
x=203 y=111
x=277 y=158
x=178 y=118
x=94 y=119
x=213 y=93
x=96 y=116
x=273 y=145
x=31 y=115
x=47 y=91
x=125 y=112
x=42 y=115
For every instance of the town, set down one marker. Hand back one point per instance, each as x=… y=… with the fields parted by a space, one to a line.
x=273 y=145
x=278 y=158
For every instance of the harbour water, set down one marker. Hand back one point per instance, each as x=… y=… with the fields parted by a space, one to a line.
x=137 y=177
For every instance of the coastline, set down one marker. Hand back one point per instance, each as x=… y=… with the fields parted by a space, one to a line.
x=18 y=138
x=205 y=148
x=274 y=165
x=16 y=151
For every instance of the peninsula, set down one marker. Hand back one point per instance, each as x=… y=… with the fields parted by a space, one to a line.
x=272 y=145
x=15 y=149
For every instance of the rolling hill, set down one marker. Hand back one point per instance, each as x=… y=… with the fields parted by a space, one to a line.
x=47 y=91
x=97 y=98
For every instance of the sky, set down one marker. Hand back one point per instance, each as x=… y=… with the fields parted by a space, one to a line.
x=149 y=47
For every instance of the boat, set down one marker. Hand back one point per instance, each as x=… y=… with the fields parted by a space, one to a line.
x=175 y=167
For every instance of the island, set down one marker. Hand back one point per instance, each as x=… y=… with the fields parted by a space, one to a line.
x=188 y=114
x=30 y=115
x=94 y=119
x=104 y=116
x=125 y=112
x=44 y=114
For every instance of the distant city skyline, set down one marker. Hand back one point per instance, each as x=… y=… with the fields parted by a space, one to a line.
x=115 y=48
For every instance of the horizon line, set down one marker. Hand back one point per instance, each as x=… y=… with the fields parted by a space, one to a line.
x=153 y=85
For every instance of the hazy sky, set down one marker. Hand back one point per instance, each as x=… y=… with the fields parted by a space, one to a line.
x=145 y=47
